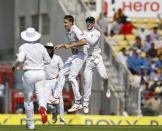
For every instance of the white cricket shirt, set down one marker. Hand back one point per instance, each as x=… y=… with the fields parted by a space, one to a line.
x=33 y=56
x=93 y=38
x=75 y=35
x=54 y=67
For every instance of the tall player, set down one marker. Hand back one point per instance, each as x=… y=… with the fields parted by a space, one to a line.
x=32 y=57
x=52 y=71
x=74 y=63
x=93 y=61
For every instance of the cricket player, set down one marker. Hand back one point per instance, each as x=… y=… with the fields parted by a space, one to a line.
x=94 y=61
x=73 y=65
x=52 y=71
x=32 y=57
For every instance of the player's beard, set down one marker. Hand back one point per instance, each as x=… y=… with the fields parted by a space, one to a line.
x=51 y=54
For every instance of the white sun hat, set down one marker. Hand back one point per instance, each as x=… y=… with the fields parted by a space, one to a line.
x=49 y=44
x=30 y=34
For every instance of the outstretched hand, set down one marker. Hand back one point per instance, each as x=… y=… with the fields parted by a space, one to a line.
x=67 y=46
x=59 y=46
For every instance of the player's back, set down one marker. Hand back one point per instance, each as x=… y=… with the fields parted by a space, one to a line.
x=35 y=56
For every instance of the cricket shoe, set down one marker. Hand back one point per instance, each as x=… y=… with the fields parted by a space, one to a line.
x=62 y=122
x=49 y=101
x=54 y=100
x=31 y=127
x=43 y=113
x=75 y=107
x=30 y=124
x=85 y=109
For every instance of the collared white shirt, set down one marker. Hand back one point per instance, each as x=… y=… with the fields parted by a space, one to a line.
x=54 y=67
x=75 y=35
x=93 y=38
x=33 y=56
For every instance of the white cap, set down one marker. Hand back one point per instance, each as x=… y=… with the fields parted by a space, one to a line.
x=49 y=44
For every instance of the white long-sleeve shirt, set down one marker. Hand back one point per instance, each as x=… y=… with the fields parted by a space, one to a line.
x=93 y=38
x=33 y=56
x=54 y=67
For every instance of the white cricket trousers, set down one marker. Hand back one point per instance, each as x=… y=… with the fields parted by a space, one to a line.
x=34 y=80
x=50 y=88
x=92 y=62
x=71 y=68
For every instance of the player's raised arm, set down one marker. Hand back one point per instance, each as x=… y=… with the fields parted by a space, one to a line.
x=59 y=46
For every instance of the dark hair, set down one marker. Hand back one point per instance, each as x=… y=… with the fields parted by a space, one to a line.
x=90 y=19
x=69 y=18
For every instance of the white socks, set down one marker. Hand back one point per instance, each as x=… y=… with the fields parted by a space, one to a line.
x=29 y=109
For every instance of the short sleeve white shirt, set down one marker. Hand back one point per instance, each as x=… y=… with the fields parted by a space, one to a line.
x=75 y=35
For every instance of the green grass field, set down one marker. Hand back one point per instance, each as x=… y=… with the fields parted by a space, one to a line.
x=83 y=128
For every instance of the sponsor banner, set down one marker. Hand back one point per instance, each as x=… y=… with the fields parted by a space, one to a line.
x=120 y=120
x=84 y=120
x=136 y=8
x=20 y=119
